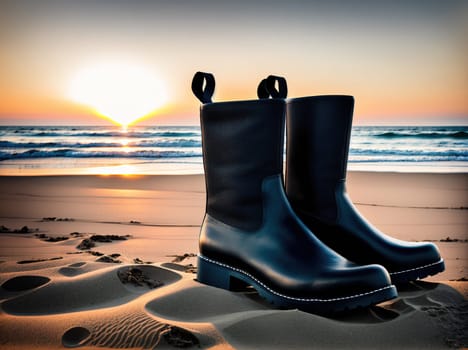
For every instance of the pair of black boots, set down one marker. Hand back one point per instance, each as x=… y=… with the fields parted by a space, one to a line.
x=303 y=244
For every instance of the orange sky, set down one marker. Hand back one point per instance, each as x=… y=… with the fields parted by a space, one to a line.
x=404 y=63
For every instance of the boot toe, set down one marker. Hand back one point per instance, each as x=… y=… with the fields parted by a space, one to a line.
x=355 y=286
x=422 y=260
x=358 y=280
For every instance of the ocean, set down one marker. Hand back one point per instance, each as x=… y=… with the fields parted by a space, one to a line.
x=56 y=150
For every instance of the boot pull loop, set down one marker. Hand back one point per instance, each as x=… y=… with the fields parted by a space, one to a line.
x=203 y=86
x=267 y=87
x=262 y=90
x=282 y=91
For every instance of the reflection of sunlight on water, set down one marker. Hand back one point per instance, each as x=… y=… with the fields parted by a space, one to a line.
x=114 y=166
x=126 y=149
x=125 y=145
x=124 y=170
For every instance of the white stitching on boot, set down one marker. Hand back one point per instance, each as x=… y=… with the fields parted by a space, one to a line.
x=293 y=298
x=417 y=268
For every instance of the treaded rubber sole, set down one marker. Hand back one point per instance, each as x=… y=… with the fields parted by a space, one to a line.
x=223 y=276
x=417 y=272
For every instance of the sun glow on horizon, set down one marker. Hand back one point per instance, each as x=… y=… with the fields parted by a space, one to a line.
x=121 y=92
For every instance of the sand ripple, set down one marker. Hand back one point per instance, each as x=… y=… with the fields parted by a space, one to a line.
x=135 y=330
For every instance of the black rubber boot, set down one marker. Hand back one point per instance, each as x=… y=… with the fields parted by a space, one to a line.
x=250 y=234
x=318 y=136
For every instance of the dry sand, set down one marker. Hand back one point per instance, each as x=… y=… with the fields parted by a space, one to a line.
x=141 y=291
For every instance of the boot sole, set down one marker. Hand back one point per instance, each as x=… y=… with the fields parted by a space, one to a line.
x=223 y=276
x=417 y=272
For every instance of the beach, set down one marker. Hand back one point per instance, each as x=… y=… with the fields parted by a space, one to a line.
x=108 y=261
x=112 y=113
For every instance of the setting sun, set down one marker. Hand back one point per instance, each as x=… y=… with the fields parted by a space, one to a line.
x=121 y=92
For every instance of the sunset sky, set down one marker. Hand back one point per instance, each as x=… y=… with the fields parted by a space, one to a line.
x=404 y=61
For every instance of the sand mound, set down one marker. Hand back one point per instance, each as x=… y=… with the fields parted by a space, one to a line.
x=87 y=291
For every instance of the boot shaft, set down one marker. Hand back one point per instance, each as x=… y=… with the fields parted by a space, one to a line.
x=242 y=143
x=318 y=135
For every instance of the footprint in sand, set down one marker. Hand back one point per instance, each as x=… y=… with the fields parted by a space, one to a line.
x=78 y=264
x=73 y=269
x=14 y=286
x=75 y=337
x=143 y=277
x=22 y=283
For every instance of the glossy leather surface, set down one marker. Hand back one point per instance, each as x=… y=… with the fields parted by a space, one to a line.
x=249 y=223
x=318 y=130
x=285 y=255
x=241 y=146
